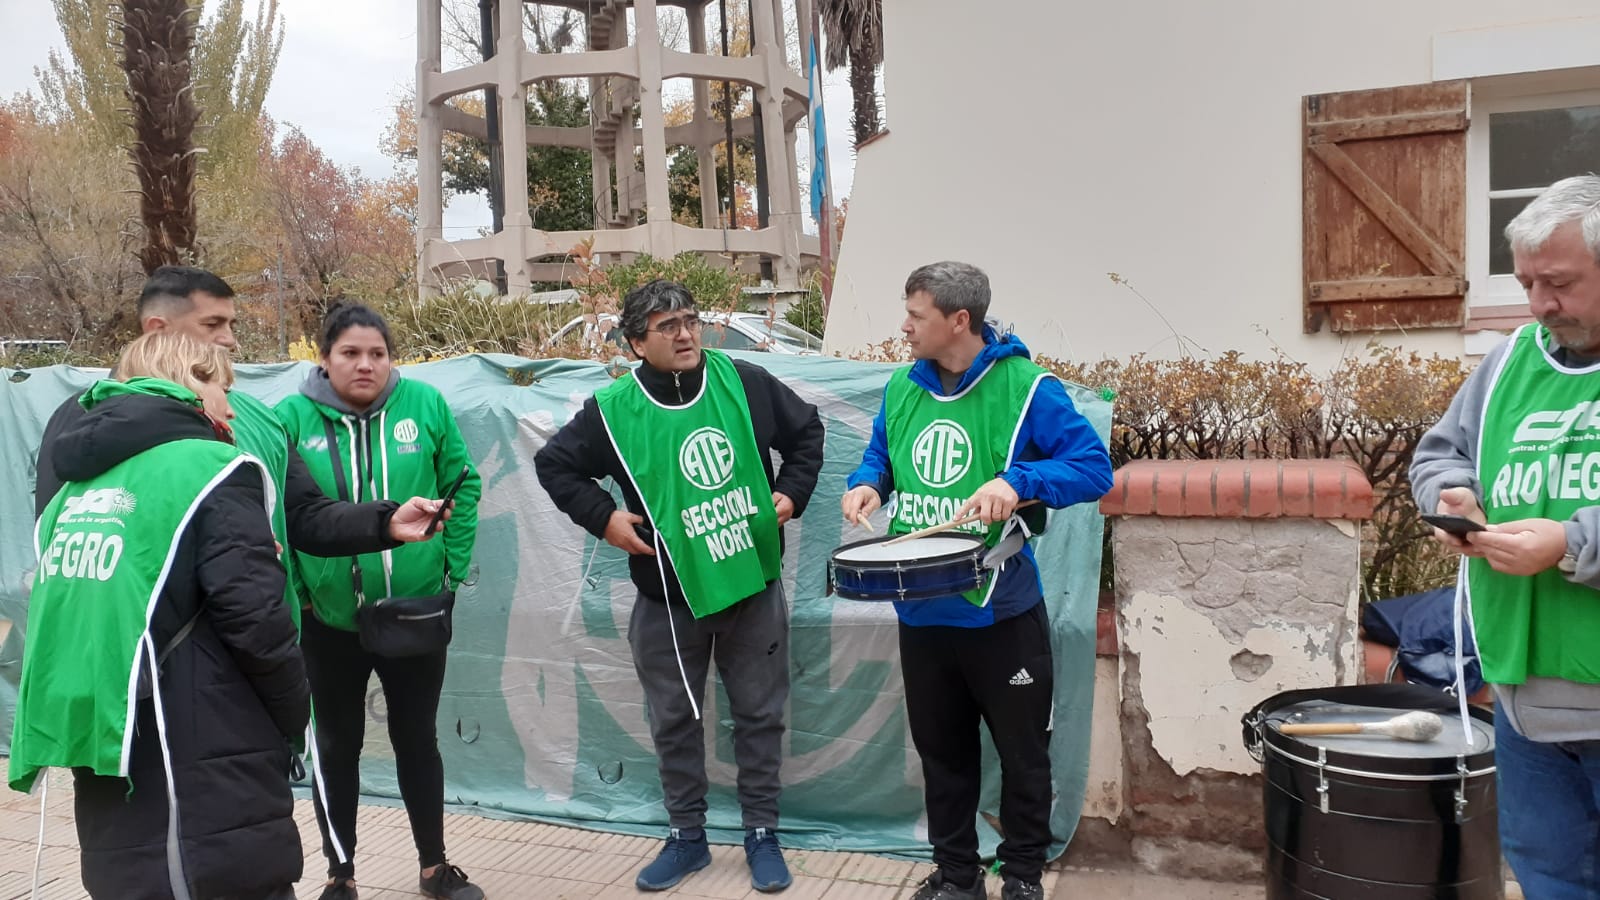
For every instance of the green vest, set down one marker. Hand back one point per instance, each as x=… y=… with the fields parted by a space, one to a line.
x=943 y=448
x=698 y=471
x=1538 y=457
x=104 y=549
x=257 y=431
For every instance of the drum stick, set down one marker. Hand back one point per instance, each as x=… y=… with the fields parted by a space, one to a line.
x=1413 y=726
x=953 y=523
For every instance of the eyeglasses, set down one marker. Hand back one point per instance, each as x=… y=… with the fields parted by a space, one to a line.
x=671 y=327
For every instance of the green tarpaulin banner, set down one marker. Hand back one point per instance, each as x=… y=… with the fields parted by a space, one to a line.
x=542 y=715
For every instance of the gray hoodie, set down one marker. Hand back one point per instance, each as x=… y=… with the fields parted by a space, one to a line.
x=1542 y=709
x=319 y=388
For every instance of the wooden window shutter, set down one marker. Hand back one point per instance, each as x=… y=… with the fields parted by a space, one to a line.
x=1385 y=208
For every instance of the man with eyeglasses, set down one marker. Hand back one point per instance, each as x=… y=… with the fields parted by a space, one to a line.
x=689 y=437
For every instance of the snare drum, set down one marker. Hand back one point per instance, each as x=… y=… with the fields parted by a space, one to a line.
x=1370 y=816
x=920 y=569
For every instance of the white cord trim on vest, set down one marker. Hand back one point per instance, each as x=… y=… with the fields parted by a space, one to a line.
x=175 y=875
x=666 y=597
x=1461 y=664
x=38 y=850
x=577 y=595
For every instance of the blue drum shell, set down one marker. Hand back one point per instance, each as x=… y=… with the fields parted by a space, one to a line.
x=914 y=579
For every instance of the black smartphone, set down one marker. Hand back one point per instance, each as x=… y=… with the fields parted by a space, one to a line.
x=445 y=501
x=1460 y=526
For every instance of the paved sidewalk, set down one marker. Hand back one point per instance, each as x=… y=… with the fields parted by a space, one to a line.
x=530 y=861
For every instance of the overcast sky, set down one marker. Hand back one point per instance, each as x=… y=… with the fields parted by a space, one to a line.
x=341 y=91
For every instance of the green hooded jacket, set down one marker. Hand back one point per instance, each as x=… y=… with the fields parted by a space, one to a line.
x=406 y=444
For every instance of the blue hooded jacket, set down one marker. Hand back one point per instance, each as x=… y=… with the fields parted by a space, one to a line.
x=1060 y=461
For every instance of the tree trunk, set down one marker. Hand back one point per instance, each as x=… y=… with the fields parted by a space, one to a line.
x=157 y=51
x=864 y=95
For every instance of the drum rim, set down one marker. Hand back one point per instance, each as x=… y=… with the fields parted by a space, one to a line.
x=1329 y=766
x=1396 y=768
x=910 y=597
x=978 y=545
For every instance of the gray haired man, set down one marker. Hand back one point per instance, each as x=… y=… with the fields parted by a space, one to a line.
x=1514 y=451
x=689 y=437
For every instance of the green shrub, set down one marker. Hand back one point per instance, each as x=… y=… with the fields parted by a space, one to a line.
x=807 y=313
x=714 y=287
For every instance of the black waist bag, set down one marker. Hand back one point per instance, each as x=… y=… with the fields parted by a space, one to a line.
x=406 y=626
x=396 y=626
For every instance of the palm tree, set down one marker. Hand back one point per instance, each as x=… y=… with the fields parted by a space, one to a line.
x=854 y=29
x=157 y=55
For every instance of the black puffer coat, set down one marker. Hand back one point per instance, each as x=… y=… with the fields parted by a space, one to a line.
x=234 y=690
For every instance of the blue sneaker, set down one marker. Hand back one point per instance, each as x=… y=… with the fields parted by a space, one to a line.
x=680 y=858
x=768 y=872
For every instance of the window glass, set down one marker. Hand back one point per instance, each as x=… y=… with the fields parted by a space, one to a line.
x=1538 y=147
x=725 y=337
x=1501 y=211
x=779 y=330
x=1528 y=151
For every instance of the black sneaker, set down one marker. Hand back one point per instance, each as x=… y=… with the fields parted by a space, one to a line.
x=768 y=872
x=449 y=883
x=339 y=889
x=681 y=857
x=937 y=888
x=1017 y=889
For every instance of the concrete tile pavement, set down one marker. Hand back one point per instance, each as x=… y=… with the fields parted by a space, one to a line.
x=533 y=861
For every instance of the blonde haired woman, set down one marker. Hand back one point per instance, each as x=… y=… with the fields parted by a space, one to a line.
x=175 y=717
x=204 y=369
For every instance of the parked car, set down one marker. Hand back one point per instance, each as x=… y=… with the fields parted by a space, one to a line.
x=724 y=331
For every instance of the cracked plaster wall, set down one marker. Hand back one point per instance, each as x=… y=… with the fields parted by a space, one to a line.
x=1223 y=613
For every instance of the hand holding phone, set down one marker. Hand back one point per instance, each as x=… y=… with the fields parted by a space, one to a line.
x=1460 y=526
x=447 y=501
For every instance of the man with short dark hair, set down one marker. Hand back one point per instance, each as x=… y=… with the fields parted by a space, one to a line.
x=689 y=436
x=975 y=427
x=199 y=304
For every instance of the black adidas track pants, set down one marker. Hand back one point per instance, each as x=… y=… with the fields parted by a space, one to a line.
x=1000 y=675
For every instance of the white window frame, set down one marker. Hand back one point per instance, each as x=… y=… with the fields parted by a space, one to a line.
x=1483 y=289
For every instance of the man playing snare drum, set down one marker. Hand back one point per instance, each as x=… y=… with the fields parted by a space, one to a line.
x=689 y=438
x=974 y=426
x=1515 y=451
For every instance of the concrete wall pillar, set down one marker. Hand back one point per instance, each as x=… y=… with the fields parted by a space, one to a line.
x=1235 y=580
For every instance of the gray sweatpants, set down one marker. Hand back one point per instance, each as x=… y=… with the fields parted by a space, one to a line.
x=750 y=643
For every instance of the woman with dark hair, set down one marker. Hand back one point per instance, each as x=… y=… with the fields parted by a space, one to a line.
x=369 y=434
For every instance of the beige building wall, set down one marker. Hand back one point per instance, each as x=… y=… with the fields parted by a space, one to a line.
x=1053 y=143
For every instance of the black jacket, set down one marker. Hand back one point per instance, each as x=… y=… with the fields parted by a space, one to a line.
x=233 y=690
x=317 y=524
x=581 y=453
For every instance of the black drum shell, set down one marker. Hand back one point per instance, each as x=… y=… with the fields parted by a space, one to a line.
x=1381 y=837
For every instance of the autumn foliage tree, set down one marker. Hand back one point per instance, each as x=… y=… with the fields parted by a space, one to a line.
x=340 y=232
x=70 y=231
x=67 y=262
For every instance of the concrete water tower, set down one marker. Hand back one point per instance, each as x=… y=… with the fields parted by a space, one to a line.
x=627 y=127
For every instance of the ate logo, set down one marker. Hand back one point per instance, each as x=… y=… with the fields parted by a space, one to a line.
x=942 y=453
x=405 y=431
x=706 y=458
x=102 y=502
